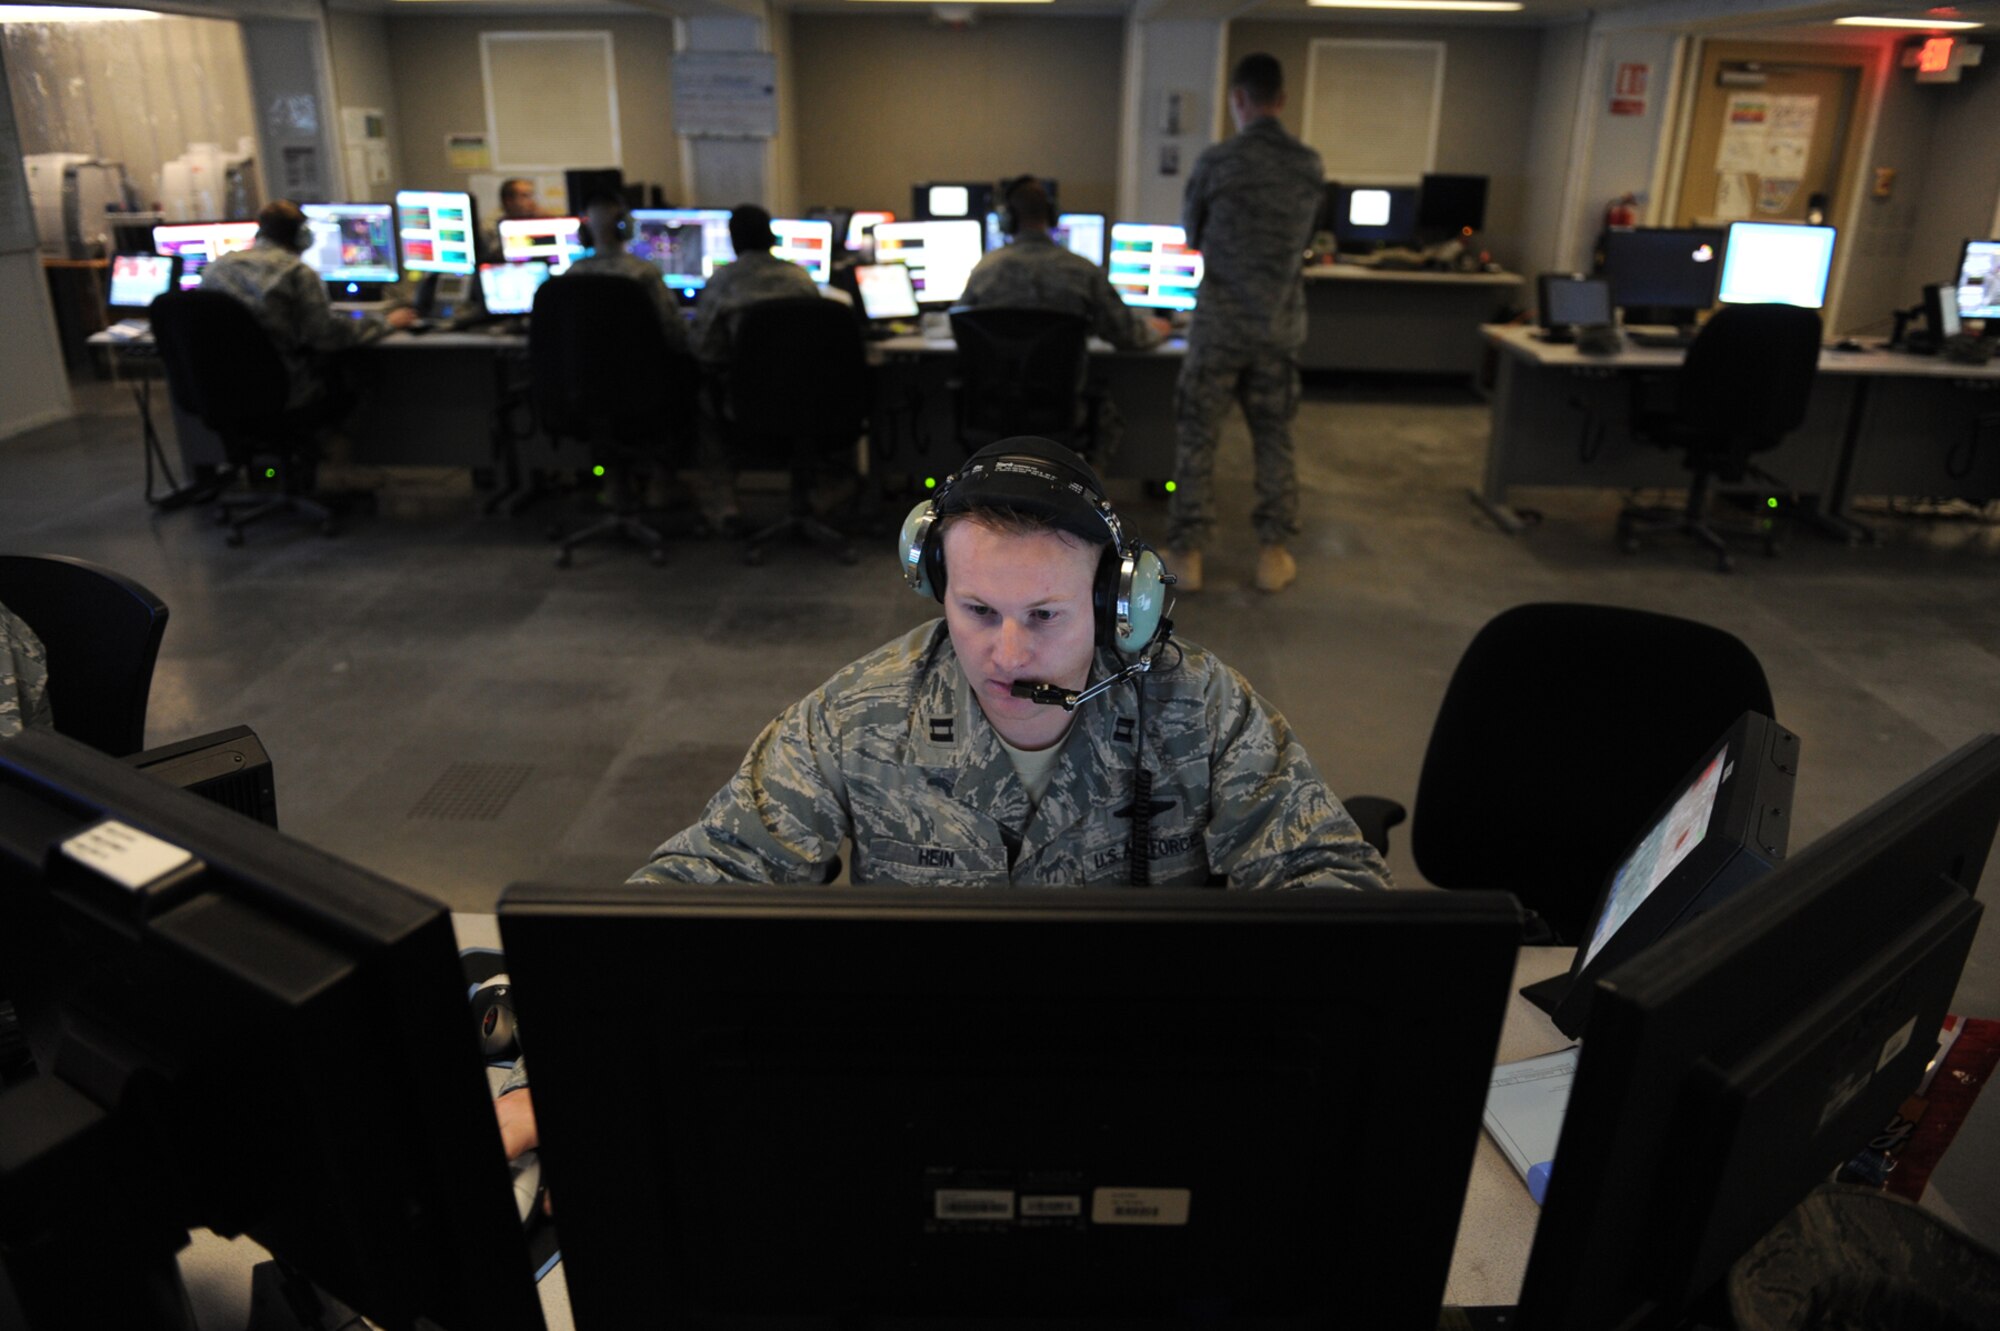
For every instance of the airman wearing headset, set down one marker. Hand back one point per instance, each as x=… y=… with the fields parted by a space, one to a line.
x=1049 y=730
x=982 y=749
x=1032 y=272
x=607 y=226
x=290 y=299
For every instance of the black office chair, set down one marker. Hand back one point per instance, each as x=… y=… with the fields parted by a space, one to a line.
x=1742 y=389
x=1562 y=729
x=796 y=396
x=602 y=371
x=102 y=633
x=224 y=369
x=1024 y=372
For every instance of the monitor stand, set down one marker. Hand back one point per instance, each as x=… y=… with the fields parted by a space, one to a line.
x=1548 y=994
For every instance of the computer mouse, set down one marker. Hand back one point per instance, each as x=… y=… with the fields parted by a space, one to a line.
x=493 y=1009
x=1848 y=344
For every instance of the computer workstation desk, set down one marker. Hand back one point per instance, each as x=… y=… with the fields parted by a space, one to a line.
x=913 y=422
x=1400 y=320
x=1878 y=422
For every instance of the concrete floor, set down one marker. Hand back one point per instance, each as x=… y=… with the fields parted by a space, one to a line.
x=596 y=709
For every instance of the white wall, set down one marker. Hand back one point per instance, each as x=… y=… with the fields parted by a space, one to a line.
x=1551 y=139
x=1620 y=154
x=1168 y=55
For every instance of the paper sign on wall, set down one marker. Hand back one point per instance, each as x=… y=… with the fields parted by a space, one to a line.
x=1767 y=134
x=1628 y=88
x=1732 y=195
x=467 y=152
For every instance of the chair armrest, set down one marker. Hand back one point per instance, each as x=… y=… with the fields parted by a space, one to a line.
x=1375 y=816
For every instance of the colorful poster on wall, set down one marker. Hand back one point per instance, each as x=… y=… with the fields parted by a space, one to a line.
x=467 y=152
x=1732 y=195
x=1741 y=147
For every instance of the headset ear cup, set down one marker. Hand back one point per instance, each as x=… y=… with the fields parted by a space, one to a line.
x=912 y=550
x=1146 y=600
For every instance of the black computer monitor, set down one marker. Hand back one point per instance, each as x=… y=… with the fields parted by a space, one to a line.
x=845 y=1106
x=807 y=242
x=1567 y=301
x=198 y=244
x=1663 y=274
x=233 y=1030
x=1152 y=267
x=1721 y=827
x=138 y=279
x=941 y=255
x=1776 y=263
x=687 y=245
x=507 y=290
x=583 y=184
x=439 y=231
x=946 y=199
x=1451 y=205
x=1366 y=216
x=1979 y=280
x=1082 y=234
x=861 y=222
x=353 y=246
x=1729 y=1067
x=551 y=240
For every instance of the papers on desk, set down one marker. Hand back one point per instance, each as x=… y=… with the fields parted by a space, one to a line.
x=1524 y=1113
x=126 y=330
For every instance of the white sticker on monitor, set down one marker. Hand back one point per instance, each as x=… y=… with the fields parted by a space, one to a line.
x=1140 y=1206
x=133 y=859
x=974 y=1204
x=1043 y=1207
x=1896 y=1043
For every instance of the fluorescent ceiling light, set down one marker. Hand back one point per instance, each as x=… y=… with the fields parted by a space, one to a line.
x=70 y=14
x=1456 y=6
x=1927 y=24
x=953 y=4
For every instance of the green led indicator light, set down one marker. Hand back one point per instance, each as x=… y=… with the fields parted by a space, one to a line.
x=1770 y=503
x=597 y=471
x=930 y=482
x=1172 y=486
x=270 y=473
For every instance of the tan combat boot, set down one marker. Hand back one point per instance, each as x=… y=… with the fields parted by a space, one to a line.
x=1275 y=569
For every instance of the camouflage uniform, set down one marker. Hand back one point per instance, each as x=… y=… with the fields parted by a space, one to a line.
x=626 y=264
x=289 y=299
x=1035 y=273
x=1249 y=209
x=24 y=678
x=894 y=752
x=757 y=275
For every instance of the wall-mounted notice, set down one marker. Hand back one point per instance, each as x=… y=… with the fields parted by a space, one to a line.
x=725 y=94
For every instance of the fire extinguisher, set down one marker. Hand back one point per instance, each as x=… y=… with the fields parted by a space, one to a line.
x=1622 y=211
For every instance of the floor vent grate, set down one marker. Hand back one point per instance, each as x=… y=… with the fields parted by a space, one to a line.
x=472 y=792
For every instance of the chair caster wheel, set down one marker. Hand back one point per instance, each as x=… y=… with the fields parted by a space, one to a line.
x=1725 y=565
x=658 y=556
x=562 y=559
x=754 y=557
x=235 y=538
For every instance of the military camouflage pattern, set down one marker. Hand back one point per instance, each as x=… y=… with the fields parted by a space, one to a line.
x=894 y=752
x=289 y=299
x=625 y=264
x=758 y=275
x=1035 y=273
x=1267 y=385
x=24 y=678
x=1249 y=208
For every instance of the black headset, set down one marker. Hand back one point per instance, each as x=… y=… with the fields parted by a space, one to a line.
x=1128 y=593
x=1010 y=221
x=622 y=228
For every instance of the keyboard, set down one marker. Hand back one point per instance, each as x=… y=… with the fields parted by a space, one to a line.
x=1668 y=341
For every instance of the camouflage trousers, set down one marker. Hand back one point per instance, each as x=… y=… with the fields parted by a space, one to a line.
x=1266 y=383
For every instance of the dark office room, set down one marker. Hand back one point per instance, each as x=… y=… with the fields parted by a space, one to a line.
x=1522 y=477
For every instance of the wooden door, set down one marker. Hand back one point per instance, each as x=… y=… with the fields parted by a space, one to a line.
x=1772 y=126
